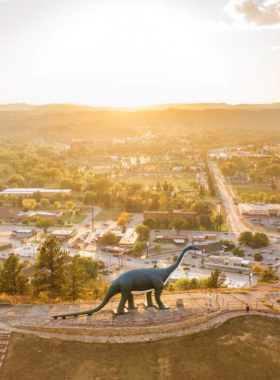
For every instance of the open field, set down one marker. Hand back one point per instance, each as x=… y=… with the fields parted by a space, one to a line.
x=146 y=181
x=254 y=189
x=107 y=214
x=242 y=348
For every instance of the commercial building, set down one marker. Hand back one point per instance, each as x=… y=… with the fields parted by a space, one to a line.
x=259 y=209
x=227 y=263
x=63 y=234
x=175 y=239
x=28 y=192
x=129 y=238
x=204 y=236
x=170 y=214
x=22 y=234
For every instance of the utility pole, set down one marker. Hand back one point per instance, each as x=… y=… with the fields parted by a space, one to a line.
x=92 y=220
x=147 y=246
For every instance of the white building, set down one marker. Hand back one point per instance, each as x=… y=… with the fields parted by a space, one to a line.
x=259 y=209
x=30 y=191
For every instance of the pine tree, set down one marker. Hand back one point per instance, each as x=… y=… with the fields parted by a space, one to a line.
x=12 y=279
x=50 y=265
x=76 y=279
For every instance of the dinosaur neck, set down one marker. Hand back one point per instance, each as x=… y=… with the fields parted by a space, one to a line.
x=177 y=263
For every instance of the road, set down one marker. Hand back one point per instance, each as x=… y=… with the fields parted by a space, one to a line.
x=234 y=219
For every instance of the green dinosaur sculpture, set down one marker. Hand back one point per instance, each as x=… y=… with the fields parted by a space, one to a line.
x=135 y=282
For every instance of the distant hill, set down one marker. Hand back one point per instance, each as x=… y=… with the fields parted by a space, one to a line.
x=15 y=107
x=73 y=108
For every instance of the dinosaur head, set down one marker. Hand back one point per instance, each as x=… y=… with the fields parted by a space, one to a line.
x=192 y=248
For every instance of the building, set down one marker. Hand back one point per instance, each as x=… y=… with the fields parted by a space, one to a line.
x=23 y=234
x=129 y=238
x=212 y=248
x=175 y=239
x=63 y=234
x=238 y=179
x=29 y=192
x=259 y=209
x=230 y=264
x=5 y=246
x=13 y=215
x=170 y=214
x=204 y=236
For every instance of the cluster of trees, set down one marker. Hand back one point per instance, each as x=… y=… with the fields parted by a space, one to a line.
x=260 y=197
x=56 y=276
x=232 y=166
x=204 y=218
x=210 y=181
x=214 y=281
x=256 y=240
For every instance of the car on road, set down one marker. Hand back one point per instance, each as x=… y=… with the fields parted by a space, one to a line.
x=193 y=266
x=147 y=262
x=109 y=270
x=187 y=268
x=157 y=231
x=128 y=259
x=154 y=261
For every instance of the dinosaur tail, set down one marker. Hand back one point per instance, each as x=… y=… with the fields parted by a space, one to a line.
x=110 y=293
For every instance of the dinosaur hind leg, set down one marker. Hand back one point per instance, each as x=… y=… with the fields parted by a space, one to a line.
x=158 y=292
x=149 y=300
x=125 y=296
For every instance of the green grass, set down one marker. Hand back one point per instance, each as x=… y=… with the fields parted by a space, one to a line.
x=254 y=189
x=75 y=219
x=107 y=214
x=182 y=182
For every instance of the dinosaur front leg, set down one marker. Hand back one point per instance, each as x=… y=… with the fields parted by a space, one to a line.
x=158 y=292
x=131 y=304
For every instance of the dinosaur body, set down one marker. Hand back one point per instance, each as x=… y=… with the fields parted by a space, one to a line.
x=135 y=282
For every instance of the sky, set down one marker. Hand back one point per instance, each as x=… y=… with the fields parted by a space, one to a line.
x=124 y=53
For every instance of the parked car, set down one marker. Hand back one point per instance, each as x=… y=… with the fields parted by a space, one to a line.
x=147 y=262
x=154 y=261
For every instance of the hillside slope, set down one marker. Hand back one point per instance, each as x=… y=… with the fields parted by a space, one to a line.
x=242 y=348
